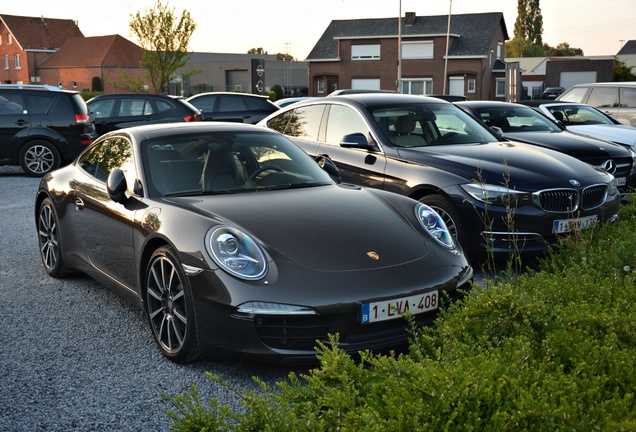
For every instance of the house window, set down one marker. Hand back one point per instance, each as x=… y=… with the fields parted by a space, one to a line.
x=365 y=84
x=321 y=86
x=500 y=85
x=420 y=86
x=16 y=61
x=417 y=50
x=6 y=61
x=0 y=39
x=471 y=86
x=74 y=84
x=9 y=40
x=500 y=50
x=365 y=52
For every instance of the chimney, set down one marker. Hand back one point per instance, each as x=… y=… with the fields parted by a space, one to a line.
x=409 y=18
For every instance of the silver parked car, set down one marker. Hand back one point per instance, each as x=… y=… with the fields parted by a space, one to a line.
x=617 y=99
x=587 y=120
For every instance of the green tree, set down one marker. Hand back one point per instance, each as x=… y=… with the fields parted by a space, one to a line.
x=164 y=37
x=284 y=57
x=561 y=50
x=278 y=92
x=259 y=50
x=529 y=23
x=622 y=72
x=519 y=47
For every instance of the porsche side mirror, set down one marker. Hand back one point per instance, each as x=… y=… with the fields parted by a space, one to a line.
x=498 y=131
x=329 y=167
x=116 y=186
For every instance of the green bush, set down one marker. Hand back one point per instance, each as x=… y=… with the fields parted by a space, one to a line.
x=551 y=349
x=87 y=94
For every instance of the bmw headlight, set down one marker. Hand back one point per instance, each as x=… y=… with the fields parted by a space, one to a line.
x=612 y=186
x=236 y=253
x=496 y=195
x=432 y=222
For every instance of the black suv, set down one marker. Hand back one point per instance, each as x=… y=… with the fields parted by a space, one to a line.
x=121 y=110
x=233 y=107
x=42 y=127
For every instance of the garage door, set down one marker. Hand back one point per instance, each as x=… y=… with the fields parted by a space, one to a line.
x=568 y=79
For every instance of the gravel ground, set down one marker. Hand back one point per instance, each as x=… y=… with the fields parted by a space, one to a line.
x=76 y=357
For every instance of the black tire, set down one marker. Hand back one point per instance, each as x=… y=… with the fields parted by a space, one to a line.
x=449 y=215
x=50 y=241
x=39 y=157
x=169 y=307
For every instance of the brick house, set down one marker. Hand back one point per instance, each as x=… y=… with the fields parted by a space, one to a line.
x=25 y=42
x=79 y=60
x=363 y=54
x=55 y=52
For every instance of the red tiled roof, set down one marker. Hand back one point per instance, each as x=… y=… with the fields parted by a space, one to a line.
x=112 y=50
x=40 y=32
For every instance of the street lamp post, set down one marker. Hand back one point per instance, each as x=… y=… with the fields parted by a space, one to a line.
x=447 y=39
x=399 y=60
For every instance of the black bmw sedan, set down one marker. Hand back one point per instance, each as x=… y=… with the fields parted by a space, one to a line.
x=238 y=245
x=494 y=195
x=524 y=124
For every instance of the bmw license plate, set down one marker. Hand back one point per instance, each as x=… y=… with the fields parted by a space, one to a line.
x=394 y=308
x=574 y=224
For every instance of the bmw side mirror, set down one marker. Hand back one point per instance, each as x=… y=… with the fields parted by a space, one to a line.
x=116 y=186
x=354 y=140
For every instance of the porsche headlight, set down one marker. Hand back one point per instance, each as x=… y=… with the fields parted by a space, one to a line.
x=497 y=195
x=236 y=253
x=432 y=222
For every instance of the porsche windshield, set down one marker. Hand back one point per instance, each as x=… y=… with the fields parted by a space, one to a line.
x=228 y=162
x=427 y=124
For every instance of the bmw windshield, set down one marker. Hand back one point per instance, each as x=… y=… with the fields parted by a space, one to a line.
x=426 y=124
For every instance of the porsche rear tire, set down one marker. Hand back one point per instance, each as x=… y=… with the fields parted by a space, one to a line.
x=49 y=240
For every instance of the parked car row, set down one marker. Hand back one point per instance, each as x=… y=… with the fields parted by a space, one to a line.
x=333 y=215
x=435 y=152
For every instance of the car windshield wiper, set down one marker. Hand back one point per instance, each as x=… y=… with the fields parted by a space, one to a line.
x=204 y=192
x=290 y=186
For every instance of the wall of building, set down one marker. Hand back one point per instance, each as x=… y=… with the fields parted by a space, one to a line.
x=230 y=72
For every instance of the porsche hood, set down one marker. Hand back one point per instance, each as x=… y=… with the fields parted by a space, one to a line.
x=325 y=228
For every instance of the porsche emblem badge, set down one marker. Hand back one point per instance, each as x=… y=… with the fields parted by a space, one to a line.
x=373 y=255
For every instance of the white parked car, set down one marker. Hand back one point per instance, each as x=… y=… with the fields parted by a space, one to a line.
x=587 y=120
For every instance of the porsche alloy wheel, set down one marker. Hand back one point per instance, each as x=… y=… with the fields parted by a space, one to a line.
x=49 y=240
x=169 y=307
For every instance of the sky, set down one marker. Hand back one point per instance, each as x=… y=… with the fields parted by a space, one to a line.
x=294 y=26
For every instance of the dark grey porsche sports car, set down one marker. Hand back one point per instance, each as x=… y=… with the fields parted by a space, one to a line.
x=238 y=245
